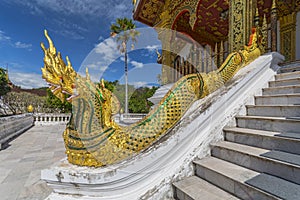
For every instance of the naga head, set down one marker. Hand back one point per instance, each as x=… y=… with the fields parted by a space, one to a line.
x=64 y=81
x=60 y=76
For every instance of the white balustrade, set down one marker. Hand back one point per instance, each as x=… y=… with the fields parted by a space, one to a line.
x=129 y=118
x=51 y=118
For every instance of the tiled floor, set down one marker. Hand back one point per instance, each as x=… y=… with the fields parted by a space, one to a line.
x=21 y=163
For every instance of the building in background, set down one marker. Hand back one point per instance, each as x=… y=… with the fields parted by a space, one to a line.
x=219 y=27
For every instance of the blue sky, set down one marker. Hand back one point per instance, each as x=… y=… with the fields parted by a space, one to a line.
x=80 y=30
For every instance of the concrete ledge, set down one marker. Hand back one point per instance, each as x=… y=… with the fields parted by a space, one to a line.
x=288 y=75
x=259 y=160
x=196 y=188
x=233 y=179
x=14 y=125
x=287 y=142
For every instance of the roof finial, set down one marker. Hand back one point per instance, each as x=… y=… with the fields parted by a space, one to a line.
x=256 y=18
x=274 y=6
x=256 y=13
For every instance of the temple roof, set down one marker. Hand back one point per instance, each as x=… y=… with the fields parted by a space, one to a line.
x=211 y=24
x=148 y=11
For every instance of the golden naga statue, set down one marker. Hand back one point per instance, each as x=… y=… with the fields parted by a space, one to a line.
x=92 y=138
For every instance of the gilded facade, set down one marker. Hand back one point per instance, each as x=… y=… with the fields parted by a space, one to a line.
x=223 y=25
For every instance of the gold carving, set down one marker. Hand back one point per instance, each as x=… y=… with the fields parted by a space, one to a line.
x=150 y=9
x=236 y=27
x=193 y=19
x=60 y=76
x=264 y=34
x=241 y=21
x=93 y=139
x=188 y=5
x=288 y=36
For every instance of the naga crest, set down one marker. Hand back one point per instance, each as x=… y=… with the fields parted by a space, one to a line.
x=60 y=76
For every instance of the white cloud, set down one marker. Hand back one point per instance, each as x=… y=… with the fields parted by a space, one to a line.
x=3 y=37
x=21 y=45
x=137 y=64
x=123 y=59
x=68 y=29
x=8 y=40
x=68 y=34
x=84 y=8
x=138 y=84
x=101 y=38
x=100 y=58
x=153 y=47
x=94 y=69
x=27 y=80
x=108 y=49
x=96 y=66
x=120 y=8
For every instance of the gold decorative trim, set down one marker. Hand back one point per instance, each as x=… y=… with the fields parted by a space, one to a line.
x=241 y=15
x=288 y=36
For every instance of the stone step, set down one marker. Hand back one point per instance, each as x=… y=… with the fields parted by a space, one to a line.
x=195 y=188
x=285 y=76
x=278 y=124
x=285 y=82
x=288 y=99
x=274 y=111
x=245 y=183
x=260 y=160
x=292 y=68
x=281 y=90
x=287 y=142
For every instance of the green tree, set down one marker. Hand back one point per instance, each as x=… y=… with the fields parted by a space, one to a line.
x=17 y=103
x=111 y=86
x=138 y=102
x=55 y=104
x=4 y=87
x=124 y=29
x=119 y=92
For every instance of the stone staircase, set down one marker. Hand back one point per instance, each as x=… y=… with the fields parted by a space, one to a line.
x=260 y=157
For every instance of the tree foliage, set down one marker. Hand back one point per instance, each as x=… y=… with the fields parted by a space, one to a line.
x=111 y=85
x=124 y=29
x=4 y=87
x=138 y=102
x=17 y=103
x=56 y=104
x=123 y=25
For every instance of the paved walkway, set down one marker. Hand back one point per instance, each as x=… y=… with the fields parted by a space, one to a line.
x=21 y=163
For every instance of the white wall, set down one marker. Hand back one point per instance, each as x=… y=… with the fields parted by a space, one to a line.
x=298 y=37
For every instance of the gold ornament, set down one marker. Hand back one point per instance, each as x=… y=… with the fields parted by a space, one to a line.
x=93 y=139
x=30 y=108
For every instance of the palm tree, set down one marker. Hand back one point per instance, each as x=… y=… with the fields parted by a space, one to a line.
x=124 y=29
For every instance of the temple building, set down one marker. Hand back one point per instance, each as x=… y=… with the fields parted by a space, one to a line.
x=227 y=119
x=219 y=27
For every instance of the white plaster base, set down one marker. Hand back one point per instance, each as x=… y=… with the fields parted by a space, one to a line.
x=150 y=174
